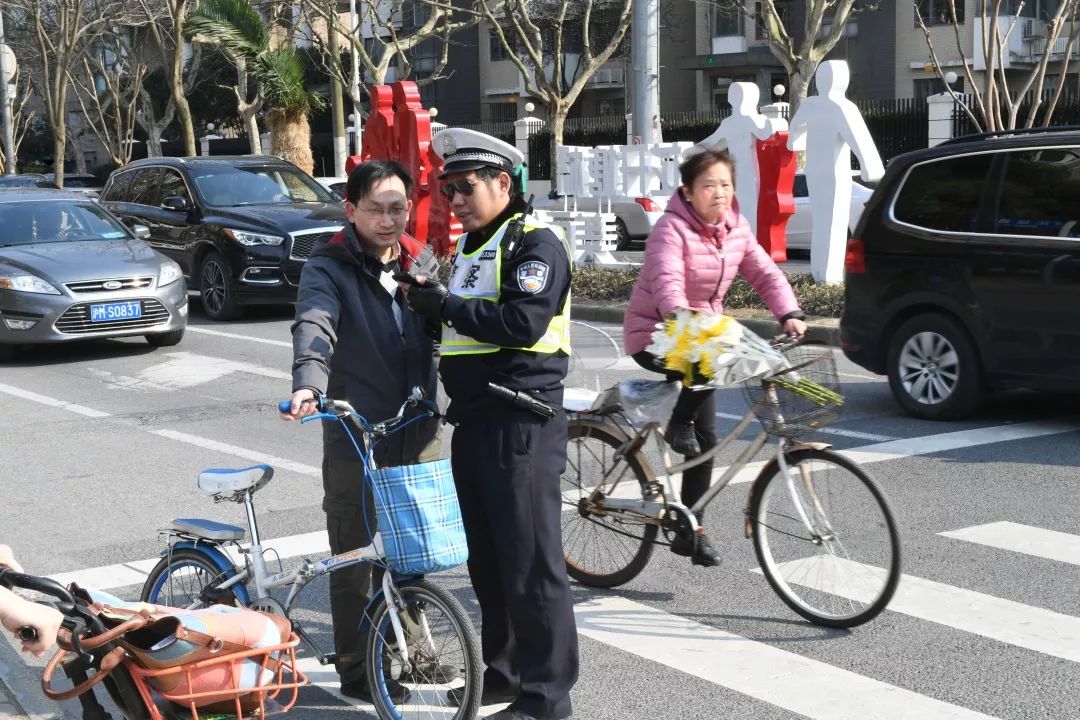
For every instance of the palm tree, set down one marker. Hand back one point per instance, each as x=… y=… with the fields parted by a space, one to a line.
x=242 y=33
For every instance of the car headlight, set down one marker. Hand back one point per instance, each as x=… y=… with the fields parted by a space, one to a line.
x=27 y=283
x=169 y=273
x=250 y=238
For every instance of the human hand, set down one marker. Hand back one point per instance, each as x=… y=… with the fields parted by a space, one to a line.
x=426 y=298
x=795 y=328
x=17 y=613
x=7 y=557
x=301 y=404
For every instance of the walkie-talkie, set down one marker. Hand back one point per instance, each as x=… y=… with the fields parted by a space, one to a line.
x=511 y=241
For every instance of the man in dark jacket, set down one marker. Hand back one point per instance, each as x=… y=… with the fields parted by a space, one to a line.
x=354 y=338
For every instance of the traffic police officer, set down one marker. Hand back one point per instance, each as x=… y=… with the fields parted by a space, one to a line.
x=505 y=321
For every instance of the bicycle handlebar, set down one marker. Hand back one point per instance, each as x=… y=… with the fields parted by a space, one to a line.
x=11 y=579
x=331 y=409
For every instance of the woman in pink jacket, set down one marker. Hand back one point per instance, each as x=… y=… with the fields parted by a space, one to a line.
x=691 y=258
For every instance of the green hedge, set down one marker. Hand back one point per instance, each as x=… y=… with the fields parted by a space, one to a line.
x=605 y=285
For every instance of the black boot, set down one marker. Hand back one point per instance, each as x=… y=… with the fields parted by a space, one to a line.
x=682 y=439
x=705 y=554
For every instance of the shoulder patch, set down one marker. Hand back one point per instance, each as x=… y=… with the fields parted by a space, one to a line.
x=532 y=276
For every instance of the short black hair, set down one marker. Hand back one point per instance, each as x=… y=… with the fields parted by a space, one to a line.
x=702 y=161
x=490 y=172
x=365 y=175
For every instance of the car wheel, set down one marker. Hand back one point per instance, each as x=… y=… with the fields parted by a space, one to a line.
x=623 y=235
x=165 y=339
x=934 y=371
x=216 y=289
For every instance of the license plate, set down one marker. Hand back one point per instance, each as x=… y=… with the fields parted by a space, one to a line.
x=108 y=312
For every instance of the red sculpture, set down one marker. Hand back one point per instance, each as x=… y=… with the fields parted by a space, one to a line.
x=776 y=168
x=399 y=128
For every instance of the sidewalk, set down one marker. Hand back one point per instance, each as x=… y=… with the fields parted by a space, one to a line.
x=20 y=686
x=820 y=331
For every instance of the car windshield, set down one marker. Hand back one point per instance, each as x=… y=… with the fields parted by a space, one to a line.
x=254 y=185
x=48 y=221
x=80 y=182
x=25 y=181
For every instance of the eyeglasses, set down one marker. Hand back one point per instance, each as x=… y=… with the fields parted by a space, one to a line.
x=395 y=213
x=463 y=186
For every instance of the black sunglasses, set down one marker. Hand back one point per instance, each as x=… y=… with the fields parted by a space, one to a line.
x=463 y=186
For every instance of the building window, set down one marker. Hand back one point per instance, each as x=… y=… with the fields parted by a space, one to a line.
x=496 y=49
x=783 y=9
x=925 y=87
x=727 y=21
x=938 y=12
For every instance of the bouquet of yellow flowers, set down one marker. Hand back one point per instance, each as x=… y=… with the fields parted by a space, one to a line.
x=713 y=349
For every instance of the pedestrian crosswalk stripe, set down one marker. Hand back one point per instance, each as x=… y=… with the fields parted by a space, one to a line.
x=1038 y=542
x=252 y=455
x=799 y=684
x=1007 y=621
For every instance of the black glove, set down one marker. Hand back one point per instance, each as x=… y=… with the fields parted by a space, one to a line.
x=427 y=300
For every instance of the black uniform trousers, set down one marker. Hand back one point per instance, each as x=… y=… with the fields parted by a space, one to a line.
x=350 y=587
x=507 y=466
x=698 y=406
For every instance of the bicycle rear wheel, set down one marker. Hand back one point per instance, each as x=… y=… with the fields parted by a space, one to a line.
x=603 y=547
x=180 y=578
x=840 y=567
x=443 y=653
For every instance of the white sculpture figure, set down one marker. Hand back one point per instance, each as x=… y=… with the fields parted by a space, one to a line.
x=738 y=133
x=829 y=127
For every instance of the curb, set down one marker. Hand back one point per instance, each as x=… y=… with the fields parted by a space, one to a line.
x=819 y=331
x=22 y=684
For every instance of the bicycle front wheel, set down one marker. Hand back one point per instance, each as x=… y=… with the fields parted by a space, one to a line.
x=444 y=677
x=603 y=547
x=825 y=538
x=185 y=579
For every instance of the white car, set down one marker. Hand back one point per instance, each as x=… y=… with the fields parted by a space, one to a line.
x=336 y=185
x=634 y=216
x=799 y=225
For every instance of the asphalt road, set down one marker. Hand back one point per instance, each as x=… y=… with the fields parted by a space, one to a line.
x=103 y=442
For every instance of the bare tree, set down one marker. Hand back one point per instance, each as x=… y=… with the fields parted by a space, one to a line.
x=55 y=34
x=996 y=104
x=108 y=90
x=386 y=36
x=558 y=46
x=22 y=117
x=165 y=21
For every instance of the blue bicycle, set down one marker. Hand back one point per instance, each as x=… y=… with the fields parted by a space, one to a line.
x=418 y=634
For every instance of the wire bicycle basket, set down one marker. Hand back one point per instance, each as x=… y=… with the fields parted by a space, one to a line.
x=799 y=399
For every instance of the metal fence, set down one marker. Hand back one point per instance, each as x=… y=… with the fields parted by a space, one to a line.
x=1066 y=112
x=897 y=126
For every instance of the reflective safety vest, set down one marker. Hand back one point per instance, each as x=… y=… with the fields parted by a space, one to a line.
x=479 y=275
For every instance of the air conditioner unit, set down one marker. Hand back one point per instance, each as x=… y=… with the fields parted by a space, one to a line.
x=1029 y=29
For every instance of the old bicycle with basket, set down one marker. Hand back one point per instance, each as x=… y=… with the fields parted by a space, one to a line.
x=159 y=663
x=822 y=530
x=418 y=634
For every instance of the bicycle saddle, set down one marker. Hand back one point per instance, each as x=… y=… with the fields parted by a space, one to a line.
x=225 y=480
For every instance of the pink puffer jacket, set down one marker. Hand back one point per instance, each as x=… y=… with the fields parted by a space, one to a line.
x=690 y=263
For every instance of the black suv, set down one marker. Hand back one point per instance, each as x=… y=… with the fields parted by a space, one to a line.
x=240 y=227
x=963 y=274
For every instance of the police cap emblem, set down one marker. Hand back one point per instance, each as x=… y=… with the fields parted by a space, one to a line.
x=449 y=146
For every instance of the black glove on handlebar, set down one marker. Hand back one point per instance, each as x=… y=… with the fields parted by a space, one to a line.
x=427 y=300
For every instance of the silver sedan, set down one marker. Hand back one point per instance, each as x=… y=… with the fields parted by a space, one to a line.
x=70 y=270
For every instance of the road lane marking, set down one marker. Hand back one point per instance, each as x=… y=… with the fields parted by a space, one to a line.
x=790 y=681
x=238 y=336
x=1034 y=541
x=183 y=370
x=1034 y=628
x=828 y=430
x=52 y=402
x=253 y=455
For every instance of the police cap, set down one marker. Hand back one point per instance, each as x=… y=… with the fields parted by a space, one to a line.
x=463 y=150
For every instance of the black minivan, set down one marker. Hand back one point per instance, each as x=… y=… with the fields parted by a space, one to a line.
x=241 y=228
x=963 y=275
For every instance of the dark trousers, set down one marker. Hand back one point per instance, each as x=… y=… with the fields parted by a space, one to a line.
x=507 y=468
x=698 y=407
x=350 y=587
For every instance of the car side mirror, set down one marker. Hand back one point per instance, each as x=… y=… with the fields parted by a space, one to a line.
x=141 y=231
x=176 y=203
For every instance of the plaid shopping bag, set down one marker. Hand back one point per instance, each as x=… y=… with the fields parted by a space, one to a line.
x=420 y=518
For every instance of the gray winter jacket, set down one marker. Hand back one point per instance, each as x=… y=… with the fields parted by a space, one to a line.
x=346 y=344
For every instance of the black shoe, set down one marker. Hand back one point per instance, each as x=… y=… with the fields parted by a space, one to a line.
x=705 y=554
x=431 y=673
x=509 y=714
x=682 y=439
x=362 y=691
x=490 y=697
